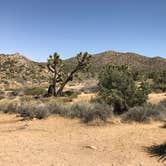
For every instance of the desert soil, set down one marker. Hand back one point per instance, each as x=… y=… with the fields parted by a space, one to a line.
x=57 y=141
x=155 y=98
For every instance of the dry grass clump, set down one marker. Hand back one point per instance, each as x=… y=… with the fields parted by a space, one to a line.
x=87 y=112
x=98 y=111
x=145 y=113
x=40 y=111
x=28 y=109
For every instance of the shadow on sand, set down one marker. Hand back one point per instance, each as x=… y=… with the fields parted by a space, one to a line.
x=157 y=151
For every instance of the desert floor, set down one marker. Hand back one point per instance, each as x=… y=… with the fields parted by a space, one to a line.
x=57 y=141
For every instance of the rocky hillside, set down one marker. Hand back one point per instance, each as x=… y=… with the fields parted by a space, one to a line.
x=16 y=69
x=135 y=61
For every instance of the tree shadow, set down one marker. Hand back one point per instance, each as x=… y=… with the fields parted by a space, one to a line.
x=157 y=151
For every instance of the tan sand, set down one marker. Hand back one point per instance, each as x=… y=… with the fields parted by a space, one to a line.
x=64 y=142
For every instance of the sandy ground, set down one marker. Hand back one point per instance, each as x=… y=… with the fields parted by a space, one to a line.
x=155 y=98
x=84 y=97
x=64 y=142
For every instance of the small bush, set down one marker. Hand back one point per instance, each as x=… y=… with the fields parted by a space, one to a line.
x=35 y=111
x=42 y=112
x=90 y=112
x=25 y=111
x=58 y=109
x=145 y=113
x=11 y=108
x=99 y=112
x=78 y=110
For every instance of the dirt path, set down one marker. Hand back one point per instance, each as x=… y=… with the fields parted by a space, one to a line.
x=64 y=142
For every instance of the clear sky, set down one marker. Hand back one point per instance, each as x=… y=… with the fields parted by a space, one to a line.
x=37 y=28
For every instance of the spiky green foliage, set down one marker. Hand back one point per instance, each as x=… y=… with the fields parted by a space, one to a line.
x=59 y=78
x=55 y=66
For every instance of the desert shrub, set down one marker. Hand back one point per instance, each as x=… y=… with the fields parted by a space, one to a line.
x=78 y=110
x=8 y=107
x=11 y=108
x=26 y=111
x=160 y=81
x=98 y=111
x=58 y=109
x=40 y=111
x=145 y=113
x=141 y=94
x=117 y=88
x=90 y=112
x=85 y=112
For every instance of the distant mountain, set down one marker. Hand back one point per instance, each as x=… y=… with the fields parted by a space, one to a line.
x=135 y=61
x=17 y=68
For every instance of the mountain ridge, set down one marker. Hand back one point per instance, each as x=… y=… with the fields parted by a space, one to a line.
x=19 y=68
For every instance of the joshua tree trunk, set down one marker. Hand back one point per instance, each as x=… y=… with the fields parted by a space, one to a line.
x=55 y=66
x=69 y=78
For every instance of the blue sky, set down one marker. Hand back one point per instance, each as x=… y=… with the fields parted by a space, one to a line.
x=37 y=28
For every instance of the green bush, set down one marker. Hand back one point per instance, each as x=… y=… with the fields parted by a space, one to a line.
x=160 y=81
x=117 y=88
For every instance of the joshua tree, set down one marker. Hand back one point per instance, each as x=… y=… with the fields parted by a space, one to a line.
x=59 y=78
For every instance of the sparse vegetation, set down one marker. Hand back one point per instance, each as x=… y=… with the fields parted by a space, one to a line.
x=145 y=113
x=40 y=111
